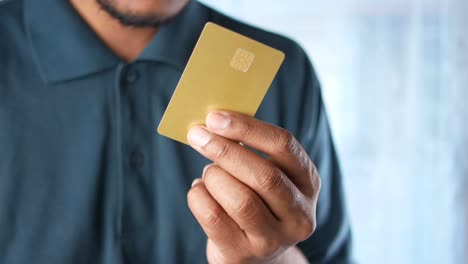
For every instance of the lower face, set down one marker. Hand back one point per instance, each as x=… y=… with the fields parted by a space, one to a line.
x=163 y=9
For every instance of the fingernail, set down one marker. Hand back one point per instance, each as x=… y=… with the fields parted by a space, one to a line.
x=198 y=136
x=195 y=182
x=204 y=170
x=217 y=121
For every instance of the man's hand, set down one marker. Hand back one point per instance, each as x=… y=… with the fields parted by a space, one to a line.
x=253 y=210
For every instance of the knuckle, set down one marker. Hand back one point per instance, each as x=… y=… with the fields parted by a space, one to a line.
x=267 y=247
x=212 y=216
x=312 y=168
x=317 y=184
x=303 y=158
x=269 y=179
x=315 y=178
x=286 y=142
x=246 y=207
x=305 y=227
x=246 y=130
x=222 y=151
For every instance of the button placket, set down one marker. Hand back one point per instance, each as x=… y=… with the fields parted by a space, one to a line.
x=130 y=77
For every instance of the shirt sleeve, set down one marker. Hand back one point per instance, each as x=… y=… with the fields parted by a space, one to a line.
x=331 y=241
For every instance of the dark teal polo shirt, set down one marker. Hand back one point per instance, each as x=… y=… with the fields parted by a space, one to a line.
x=85 y=178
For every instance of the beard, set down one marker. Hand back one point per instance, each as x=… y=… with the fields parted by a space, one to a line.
x=132 y=19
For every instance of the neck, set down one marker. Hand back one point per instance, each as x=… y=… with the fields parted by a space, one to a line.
x=126 y=42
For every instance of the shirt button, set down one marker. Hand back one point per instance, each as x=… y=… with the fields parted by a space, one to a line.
x=136 y=159
x=132 y=76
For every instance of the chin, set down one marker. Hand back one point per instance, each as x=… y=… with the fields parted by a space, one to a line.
x=163 y=8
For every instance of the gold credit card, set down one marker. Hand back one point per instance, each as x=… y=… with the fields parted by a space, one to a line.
x=226 y=71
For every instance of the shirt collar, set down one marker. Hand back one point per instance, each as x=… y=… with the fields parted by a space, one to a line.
x=175 y=41
x=65 y=47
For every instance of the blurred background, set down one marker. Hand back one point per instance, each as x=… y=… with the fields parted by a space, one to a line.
x=395 y=80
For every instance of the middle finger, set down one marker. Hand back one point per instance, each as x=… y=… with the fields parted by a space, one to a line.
x=240 y=202
x=269 y=182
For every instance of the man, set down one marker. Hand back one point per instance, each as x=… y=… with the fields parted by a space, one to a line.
x=84 y=178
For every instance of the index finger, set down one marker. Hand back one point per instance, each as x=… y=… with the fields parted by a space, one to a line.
x=279 y=144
